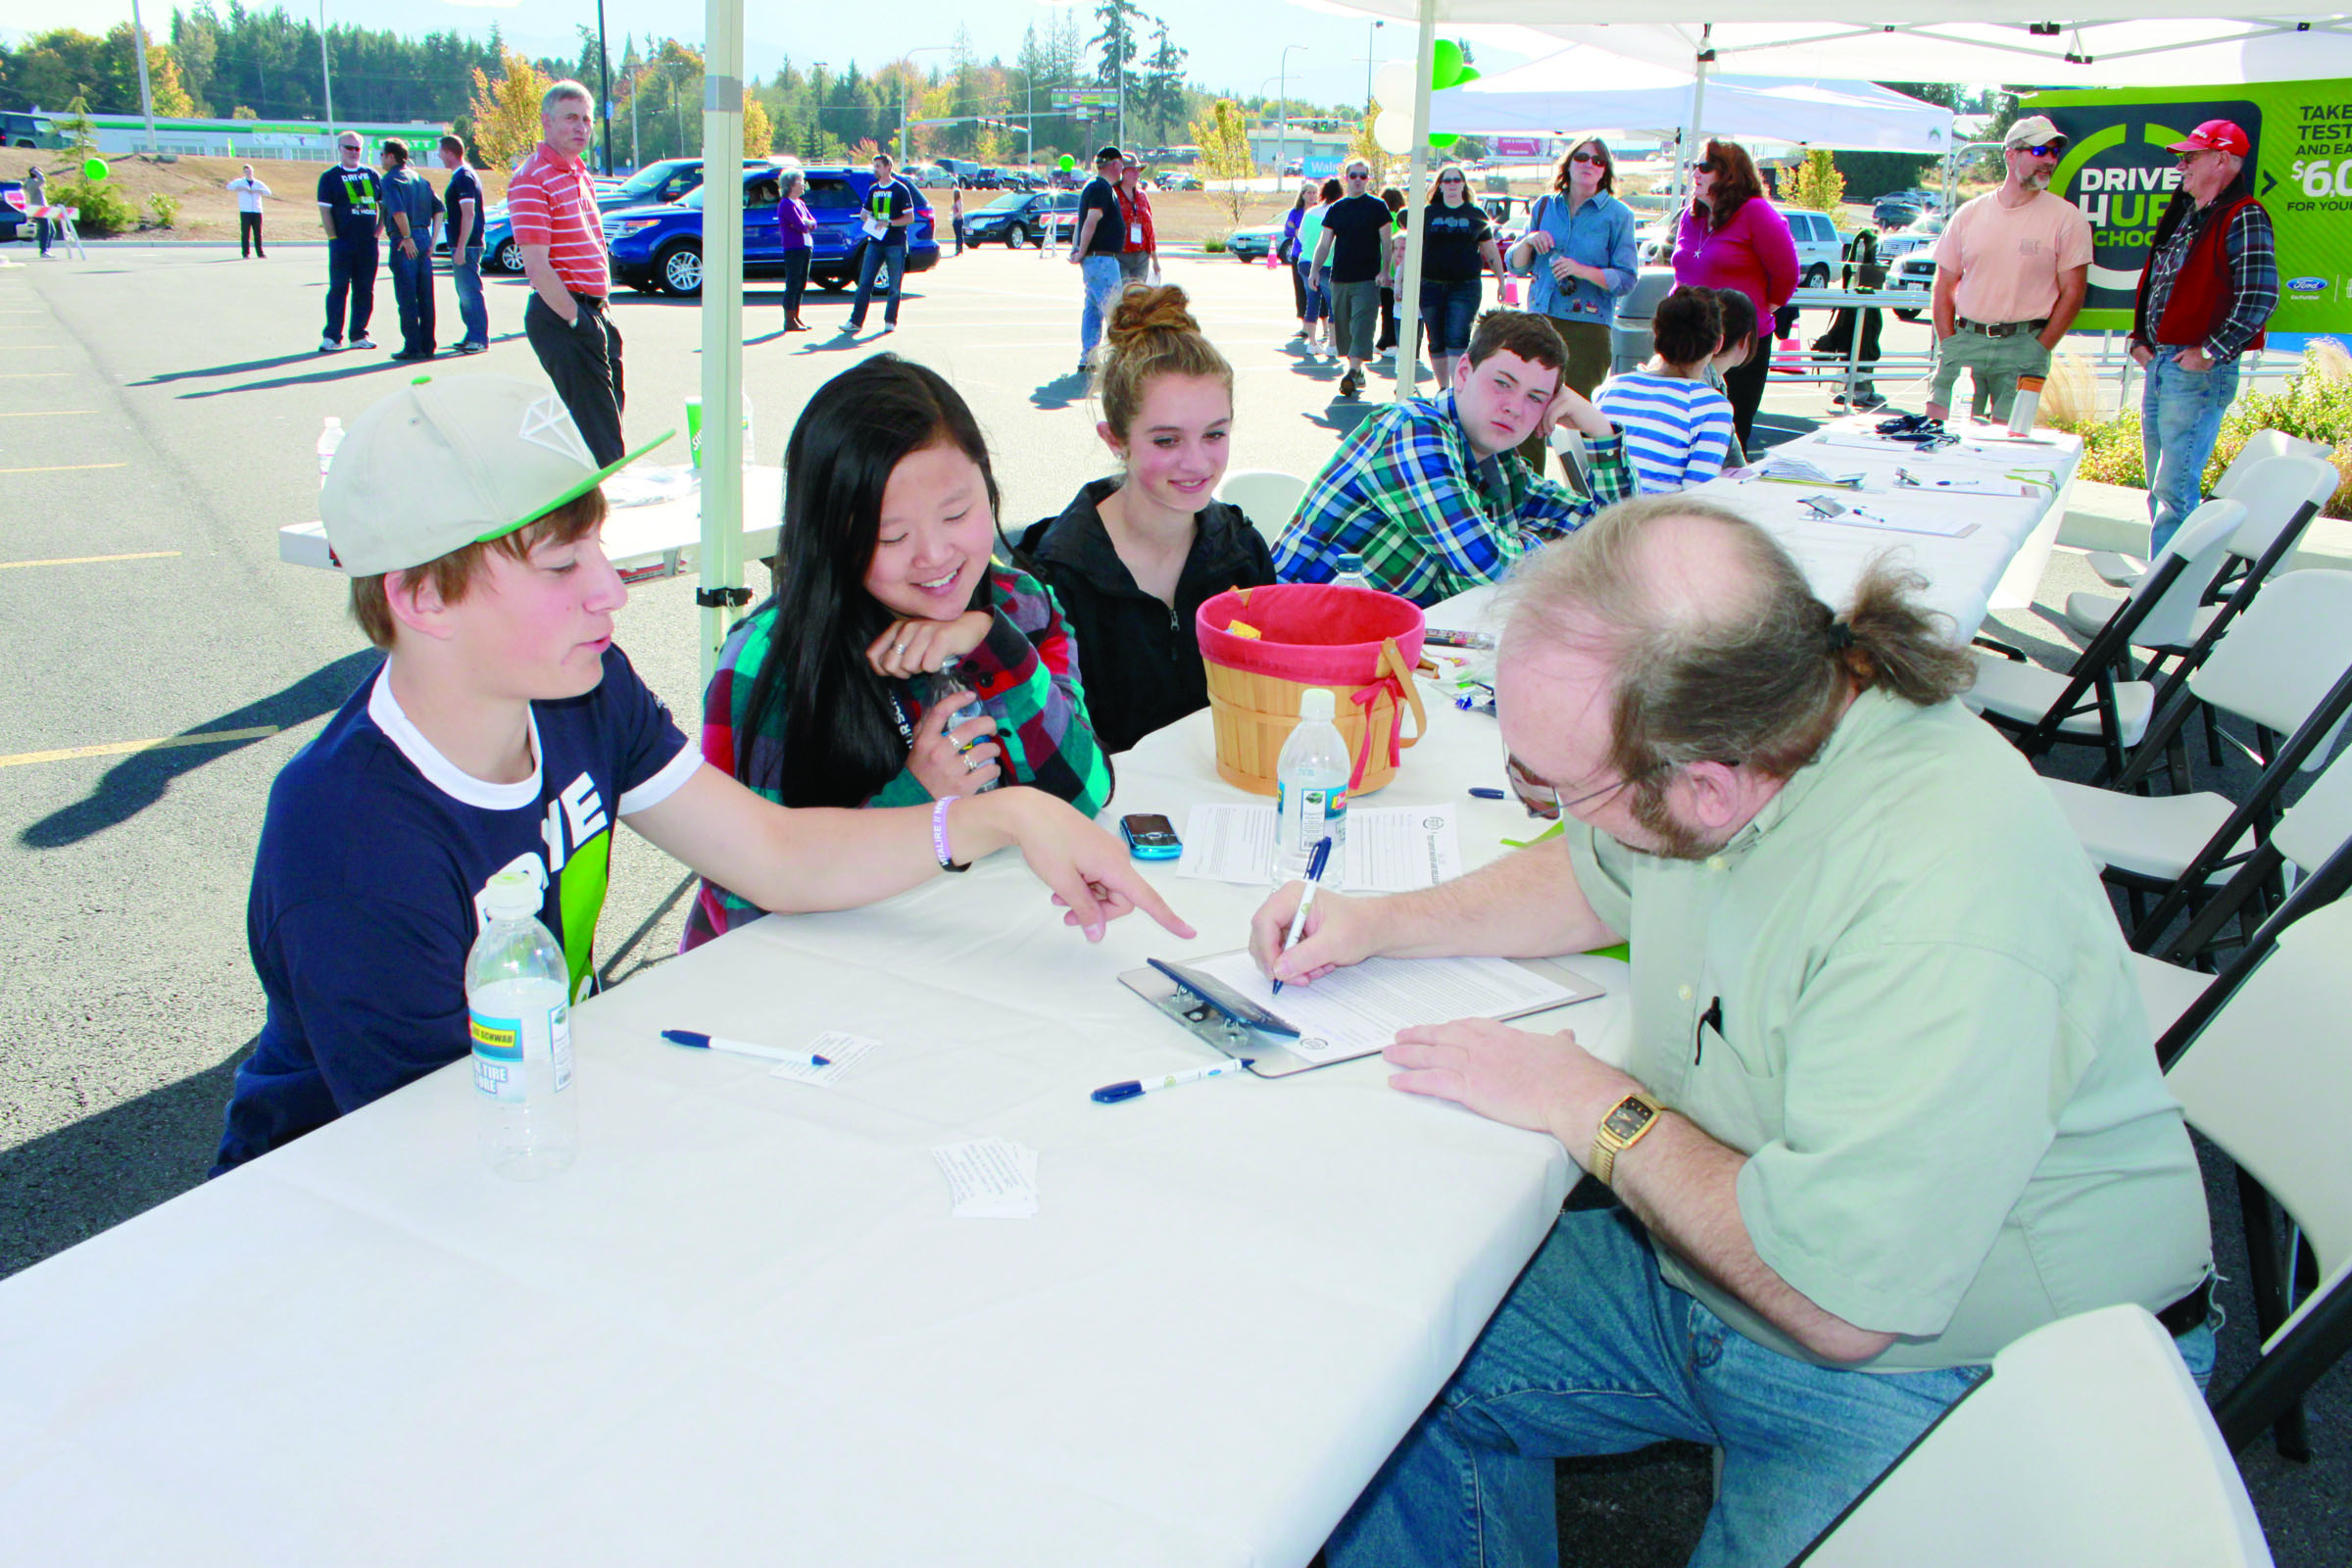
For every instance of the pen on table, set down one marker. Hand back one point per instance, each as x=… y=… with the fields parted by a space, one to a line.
x=1314 y=880
x=1112 y=1094
x=743 y=1047
x=1487 y=792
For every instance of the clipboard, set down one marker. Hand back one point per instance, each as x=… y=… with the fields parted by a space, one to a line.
x=1234 y=1026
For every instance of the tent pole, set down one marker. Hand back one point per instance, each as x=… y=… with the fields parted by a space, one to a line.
x=1699 y=106
x=1416 y=189
x=722 y=327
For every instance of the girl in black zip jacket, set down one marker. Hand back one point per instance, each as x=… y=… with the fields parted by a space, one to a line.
x=1131 y=558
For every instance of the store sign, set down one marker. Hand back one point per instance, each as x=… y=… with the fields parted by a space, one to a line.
x=2117 y=170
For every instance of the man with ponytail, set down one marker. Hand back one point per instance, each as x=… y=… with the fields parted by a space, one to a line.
x=1889 y=1102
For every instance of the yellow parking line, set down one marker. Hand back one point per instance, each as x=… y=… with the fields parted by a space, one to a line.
x=208 y=736
x=85 y=560
x=67 y=467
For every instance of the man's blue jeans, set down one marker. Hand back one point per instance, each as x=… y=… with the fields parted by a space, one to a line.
x=413 y=293
x=1593 y=1353
x=1099 y=277
x=877 y=255
x=2179 y=418
x=466 y=273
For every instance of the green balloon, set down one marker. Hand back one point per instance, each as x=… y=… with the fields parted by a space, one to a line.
x=1445 y=64
x=94 y=171
x=1467 y=75
x=1443 y=139
x=1068 y=162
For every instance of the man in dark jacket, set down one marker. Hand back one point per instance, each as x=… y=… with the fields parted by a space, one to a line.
x=1139 y=655
x=2210 y=285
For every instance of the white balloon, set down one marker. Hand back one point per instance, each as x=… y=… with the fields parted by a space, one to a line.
x=1393 y=129
x=1392 y=85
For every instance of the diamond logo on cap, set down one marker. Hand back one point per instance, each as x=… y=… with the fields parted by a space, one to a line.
x=546 y=423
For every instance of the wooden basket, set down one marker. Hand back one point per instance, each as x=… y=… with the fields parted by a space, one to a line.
x=1254 y=715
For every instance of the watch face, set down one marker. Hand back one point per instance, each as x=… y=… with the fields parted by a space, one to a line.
x=1629 y=1118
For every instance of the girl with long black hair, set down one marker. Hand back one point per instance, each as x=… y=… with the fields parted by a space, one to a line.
x=897 y=664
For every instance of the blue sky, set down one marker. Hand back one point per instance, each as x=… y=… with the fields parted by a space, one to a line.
x=1237 y=45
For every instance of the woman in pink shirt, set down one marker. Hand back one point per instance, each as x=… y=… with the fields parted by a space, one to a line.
x=1732 y=238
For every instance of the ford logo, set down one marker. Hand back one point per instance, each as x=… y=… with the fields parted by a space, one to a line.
x=2307 y=286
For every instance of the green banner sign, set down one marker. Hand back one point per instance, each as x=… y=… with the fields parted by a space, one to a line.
x=2117 y=171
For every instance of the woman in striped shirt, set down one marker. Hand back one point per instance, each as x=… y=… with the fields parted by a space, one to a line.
x=1677 y=428
x=897 y=664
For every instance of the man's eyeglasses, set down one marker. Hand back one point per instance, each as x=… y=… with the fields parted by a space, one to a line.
x=2046 y=149
x=1542 y=799
x=1353 y=175
x=1586 y=157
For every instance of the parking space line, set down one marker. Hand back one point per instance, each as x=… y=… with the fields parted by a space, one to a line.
x=207 y=737
x=86 y=561
x=67 y=467
x=40 y=414
x=31 y=376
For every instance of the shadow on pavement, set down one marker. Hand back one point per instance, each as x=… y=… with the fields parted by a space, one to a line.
x=1060 y=392
x=140 y=779
x=1342 y=418
x=304 y=357
x=66 y=1186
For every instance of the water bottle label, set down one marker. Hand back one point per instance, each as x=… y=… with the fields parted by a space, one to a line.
x=1316 y=812
x=500 y=1046
x=498 y=1058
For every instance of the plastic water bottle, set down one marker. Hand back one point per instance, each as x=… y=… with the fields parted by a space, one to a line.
x=1352 y=573
x=945 y=682
x=1311 y=792
x=519 y=1000
x=328 y=440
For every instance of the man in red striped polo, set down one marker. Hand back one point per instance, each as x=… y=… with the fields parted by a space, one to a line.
x=552 y=205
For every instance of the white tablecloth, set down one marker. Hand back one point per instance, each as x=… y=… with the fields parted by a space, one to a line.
x=744 y=1327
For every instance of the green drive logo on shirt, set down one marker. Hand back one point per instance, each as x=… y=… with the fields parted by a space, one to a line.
x=877 y=201
x=359 y=189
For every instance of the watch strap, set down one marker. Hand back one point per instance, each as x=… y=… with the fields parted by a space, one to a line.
x=1607 y=1144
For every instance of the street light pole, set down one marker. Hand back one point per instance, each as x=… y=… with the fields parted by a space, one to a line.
x=1282 y=110
x=327 y=73
x=907 y=87
x=138 y=47
x=1371 y=45
x=604 y=71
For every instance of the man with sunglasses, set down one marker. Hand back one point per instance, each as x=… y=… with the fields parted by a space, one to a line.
x=2011 y=270
x=1349 y=254
x=1889 y=1099
x=348 y=194
x=2210 y=285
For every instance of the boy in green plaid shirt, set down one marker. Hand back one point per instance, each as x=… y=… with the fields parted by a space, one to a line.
x=1431 y=493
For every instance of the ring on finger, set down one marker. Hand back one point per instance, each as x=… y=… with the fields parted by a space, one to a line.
x=971 y=764
x=899 y=647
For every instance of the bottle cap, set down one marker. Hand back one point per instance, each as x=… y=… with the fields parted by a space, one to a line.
x=512 y=894
x=1314 y=703
x=1349 y=564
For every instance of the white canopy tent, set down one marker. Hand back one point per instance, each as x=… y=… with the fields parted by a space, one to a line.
x=1583 y=87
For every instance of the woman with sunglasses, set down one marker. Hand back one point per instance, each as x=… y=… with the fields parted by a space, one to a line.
x=1286 y=251
x=1458 y=239
x=1732 y=238
x=1580 y=248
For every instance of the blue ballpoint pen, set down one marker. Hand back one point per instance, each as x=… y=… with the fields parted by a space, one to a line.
x=743 y=1047
x=1314 y=880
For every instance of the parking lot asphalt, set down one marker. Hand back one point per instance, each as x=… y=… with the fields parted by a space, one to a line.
x=158 y=414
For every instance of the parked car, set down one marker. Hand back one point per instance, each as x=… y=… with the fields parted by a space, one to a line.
x=1889 y=213
x=29 y=130
x=1180 y=179
x=1819 y=246
x=1019 y=218
x=1914 y=275
x=1919 y=196
x=1251 y=244
x=660 y=248
x=666 y=180
x=13 y=222
x=1920 y=236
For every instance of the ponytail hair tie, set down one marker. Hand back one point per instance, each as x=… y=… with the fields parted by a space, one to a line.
x=1841 y=636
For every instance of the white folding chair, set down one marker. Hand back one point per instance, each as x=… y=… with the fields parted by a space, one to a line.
x=2096 y=702
x=2280 y=495
x=1267 y=497
x=2125 y=571
x=2315 y=837
x=2089 y=1445
x=2268 y=1080
x=2287 y=668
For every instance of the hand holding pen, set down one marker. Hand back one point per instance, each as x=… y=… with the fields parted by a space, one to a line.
x=1314 y=883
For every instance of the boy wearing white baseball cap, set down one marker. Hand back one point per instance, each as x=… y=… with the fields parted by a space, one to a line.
x=505 y=726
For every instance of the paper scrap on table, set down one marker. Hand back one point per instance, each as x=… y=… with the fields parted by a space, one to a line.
x=989 y=1178
x=843 y=1050
x=1358 y=1010
x=1391 y=849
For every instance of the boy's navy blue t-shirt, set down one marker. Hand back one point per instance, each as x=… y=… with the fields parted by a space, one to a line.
x=362 y=903
x=351 y=196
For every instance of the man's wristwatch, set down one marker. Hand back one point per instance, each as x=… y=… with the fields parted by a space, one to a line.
x=1628 y=1122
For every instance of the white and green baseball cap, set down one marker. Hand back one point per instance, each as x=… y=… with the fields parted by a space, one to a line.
x=442 y=464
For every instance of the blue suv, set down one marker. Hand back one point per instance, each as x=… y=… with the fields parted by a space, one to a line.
x=660 y=248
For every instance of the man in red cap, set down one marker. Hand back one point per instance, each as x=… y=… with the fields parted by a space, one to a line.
x=2210 y=283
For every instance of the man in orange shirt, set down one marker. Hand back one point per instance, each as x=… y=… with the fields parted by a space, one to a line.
x=2011 y=271
x=552 y=204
